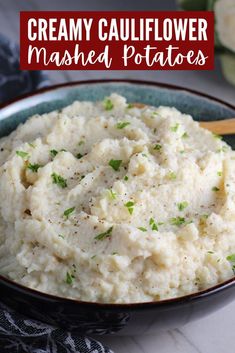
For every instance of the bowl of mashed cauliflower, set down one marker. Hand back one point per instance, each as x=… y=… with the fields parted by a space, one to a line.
x=109 y=208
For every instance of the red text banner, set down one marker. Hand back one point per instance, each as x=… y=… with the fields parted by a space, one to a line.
x=169 y=40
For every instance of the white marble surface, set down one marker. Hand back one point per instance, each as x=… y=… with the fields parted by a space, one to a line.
x=215 y=333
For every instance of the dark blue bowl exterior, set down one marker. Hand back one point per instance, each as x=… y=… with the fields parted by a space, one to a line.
x=93 y=318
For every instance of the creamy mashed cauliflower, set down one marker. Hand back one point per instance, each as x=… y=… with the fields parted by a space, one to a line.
x=112 y=203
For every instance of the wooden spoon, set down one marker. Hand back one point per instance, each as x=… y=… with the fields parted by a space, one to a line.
x=220 y=127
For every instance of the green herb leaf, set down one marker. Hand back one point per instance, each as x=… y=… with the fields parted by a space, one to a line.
x=215 y=188
x=104 y=235
x=231 y=259
x=129 y=205
x=81 y=143
x=34 y=167
x=112 y=194
x=182 y=205
x=177 y=221
x=171 y=175
x=79 y=156
x=59 y=180
x=68 y=212
x=185 y=135
x=216 y=136
x=153 y=224
x=210 y=252
x=130 y=105
x=61 y=236
x=115 y=164
x=22 y=154
x=69 y=278
x=175 y=127
x=108 y=104
x=142 y=229
x=31 y=145
x=53 y=153
x=123 y=124
x=126 y=178
x=219 y=173
x=157 y=147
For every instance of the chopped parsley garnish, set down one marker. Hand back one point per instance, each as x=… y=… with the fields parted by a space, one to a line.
x=215 y=188
x=185 y=135
x=69 y=278
x=112 y=194
x=130 y=105
x=22 y=154
x=204 y=216
x=175 y=127
x=154 y=114
x=142 y=229
x=130 y=206
x=219 y=173
x=94 y=256
x=182 y=205
x=126 y=178
x=108 y=104
x=210 y=252
x=34 y=167
x=231 y=259
x=115 y=253
x=61 y=236
x=123 y=124
x=157 y=147
x=31 y=145
x=115 y=164
x=216 y=136
x=53 y=153
x=81 y=143
x=177 y=221
x=104 y=235
x=79 y=156
x=153 y=224
x=68 y=212
x=59 y=180
x=222 y=149
x=171 y=175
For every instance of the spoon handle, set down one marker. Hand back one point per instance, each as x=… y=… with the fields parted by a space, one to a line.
x=220 y=127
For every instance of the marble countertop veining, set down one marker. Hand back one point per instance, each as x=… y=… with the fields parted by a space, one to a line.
x=212 y=334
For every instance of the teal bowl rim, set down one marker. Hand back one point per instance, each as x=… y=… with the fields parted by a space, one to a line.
x=225 y=285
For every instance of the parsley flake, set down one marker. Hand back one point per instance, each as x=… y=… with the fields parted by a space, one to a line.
x=171 y=175
x=61 y=236
x=68 y=212
x=22 y=154
x=129 y=205
x=122 y=125
x=53 y=153
x=182 y=205
x=153 y=224
x=219 y=173
x=34 y=167
x=142 y=229
x=79 y=156
x=115 y=164
x=126 y=178
x=112 y=194
x=216 y=136
x=108 y=104
x=215 y=188
x=177 y=221
x=157 y=147
x=104 y=235
x=175 y=127
x=185 y=135
x=69 y=278
x=59 y=180
x=231 y=259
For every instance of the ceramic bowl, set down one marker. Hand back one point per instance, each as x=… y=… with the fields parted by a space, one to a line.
x=95 y=318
